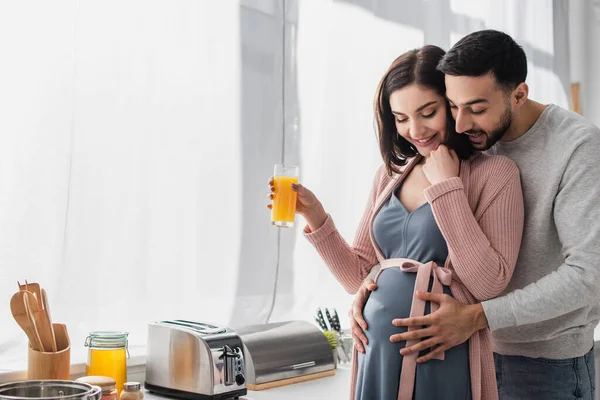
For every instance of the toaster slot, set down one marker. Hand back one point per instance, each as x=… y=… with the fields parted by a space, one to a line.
x=205 y=329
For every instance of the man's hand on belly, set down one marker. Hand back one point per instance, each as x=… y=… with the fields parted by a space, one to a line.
x=452 y=324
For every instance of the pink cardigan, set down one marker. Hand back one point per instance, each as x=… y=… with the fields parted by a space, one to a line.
x=480 y=214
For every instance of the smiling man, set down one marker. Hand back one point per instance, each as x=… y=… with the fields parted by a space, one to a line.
x=543 y=326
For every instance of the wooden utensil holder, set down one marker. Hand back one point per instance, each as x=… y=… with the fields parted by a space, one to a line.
x=51 y=365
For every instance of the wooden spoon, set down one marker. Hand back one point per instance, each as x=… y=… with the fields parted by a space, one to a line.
x=33 y=288
x=43 y=328
x=19 y=306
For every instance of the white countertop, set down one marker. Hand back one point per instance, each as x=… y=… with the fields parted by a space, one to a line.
x=334 y=387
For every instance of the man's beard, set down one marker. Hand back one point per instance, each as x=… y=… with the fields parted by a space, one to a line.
x=496 y=133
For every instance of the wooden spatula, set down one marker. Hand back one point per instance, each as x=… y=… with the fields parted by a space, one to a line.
x=45 y=315
x=19 y=306
x=62 y=336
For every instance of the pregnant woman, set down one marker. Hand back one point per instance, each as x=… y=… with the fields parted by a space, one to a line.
x=440 y=217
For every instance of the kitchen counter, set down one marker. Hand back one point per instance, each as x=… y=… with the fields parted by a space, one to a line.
x=335 y=387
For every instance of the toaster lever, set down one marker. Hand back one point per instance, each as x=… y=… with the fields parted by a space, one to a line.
x=227 y=352
x=229 y=358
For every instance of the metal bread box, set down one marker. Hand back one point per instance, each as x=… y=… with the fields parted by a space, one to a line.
x=278 y=354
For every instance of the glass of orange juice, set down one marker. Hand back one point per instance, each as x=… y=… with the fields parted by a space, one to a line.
x=283 y=211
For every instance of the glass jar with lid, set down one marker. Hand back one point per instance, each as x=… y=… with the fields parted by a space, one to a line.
x=107 y=356
x=131 y=391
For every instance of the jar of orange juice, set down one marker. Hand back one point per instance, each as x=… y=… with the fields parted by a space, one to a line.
x=107 y=356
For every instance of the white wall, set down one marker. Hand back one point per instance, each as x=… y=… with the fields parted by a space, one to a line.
x=592 y=78
x=584 y=32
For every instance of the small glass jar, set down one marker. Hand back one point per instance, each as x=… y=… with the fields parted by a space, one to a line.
x=106 y=384
x=131 y=391
x=107 y=356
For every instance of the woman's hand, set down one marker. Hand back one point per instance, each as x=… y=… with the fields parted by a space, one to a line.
x=442 y=164
x=307 y=205
x=358 y=325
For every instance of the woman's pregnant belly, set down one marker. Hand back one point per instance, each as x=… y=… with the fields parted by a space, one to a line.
x=392 y=299
x=379 y=368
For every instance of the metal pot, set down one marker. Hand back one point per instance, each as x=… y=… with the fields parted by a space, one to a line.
x=49 y=390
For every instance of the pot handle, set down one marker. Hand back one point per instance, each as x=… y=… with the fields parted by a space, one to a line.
x=95 y=394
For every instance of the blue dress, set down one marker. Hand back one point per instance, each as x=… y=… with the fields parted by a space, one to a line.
x=414 y=235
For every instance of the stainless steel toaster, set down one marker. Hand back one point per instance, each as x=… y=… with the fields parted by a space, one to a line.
x=194 y=360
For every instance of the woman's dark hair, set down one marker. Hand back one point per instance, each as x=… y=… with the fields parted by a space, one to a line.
x=416 y=66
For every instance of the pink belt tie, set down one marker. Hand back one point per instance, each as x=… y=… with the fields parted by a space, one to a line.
x=441 y=276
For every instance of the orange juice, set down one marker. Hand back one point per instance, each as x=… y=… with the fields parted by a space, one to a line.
x=108 y=362
x=107 y=356
x=284 y=203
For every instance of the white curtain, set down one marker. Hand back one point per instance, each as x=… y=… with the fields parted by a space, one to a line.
x=137 y=136
x=120 y=163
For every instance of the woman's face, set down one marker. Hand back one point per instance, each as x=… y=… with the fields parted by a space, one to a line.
x=420 y=117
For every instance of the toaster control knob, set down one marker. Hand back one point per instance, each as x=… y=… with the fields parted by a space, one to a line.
x=240 y=380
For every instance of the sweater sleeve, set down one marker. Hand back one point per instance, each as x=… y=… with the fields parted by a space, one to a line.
x=574 y=284
x=349 y=264
x=483 y=251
